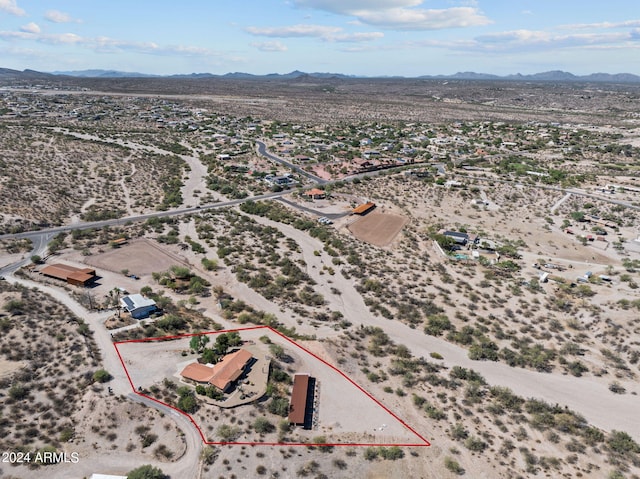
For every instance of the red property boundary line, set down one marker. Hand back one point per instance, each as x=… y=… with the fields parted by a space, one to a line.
x=424 y=443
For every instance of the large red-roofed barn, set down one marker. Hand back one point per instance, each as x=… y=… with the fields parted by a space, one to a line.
x=70 y=274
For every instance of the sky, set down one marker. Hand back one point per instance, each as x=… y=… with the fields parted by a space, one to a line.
x=356 y=37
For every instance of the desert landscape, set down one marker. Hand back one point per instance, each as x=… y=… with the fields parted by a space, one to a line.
x=479 y=320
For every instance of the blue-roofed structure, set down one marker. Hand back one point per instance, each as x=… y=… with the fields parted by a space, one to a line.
x=139 y=306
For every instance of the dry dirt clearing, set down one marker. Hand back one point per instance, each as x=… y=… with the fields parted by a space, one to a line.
x=378 y=228
x=140 y=257
x=7 y=368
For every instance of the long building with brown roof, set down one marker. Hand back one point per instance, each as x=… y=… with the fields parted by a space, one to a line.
x=70 y=274
x=298 y=405
x=364 y=208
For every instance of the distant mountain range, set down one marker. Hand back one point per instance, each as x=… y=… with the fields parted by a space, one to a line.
x=236 y=75
x=550 y=76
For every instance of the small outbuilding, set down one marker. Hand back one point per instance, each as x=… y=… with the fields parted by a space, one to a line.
x=315 y=194
x=301 y=405
x=139 y=306
x=364 y=208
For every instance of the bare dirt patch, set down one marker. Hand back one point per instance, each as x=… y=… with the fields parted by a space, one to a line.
x=378 y=228
x=140 y=257
x=7 y=368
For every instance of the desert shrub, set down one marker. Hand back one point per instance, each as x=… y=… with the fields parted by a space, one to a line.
x=263 y=426
x=228 y=433
x=475 y=444
x=453 y=466
x=437 y=324
x=101 y=376
x=617 y=388
x=146 y=472
x=622 y=443
x=18 y=392
x=370 y=453
x=279 y=406
x=391 y=453
x=148 y=439
x=14 y=306
x=458 y=432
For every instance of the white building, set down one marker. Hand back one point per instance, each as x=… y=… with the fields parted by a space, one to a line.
x=138 y=305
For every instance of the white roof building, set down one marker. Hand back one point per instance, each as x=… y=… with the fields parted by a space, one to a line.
x=138 y=305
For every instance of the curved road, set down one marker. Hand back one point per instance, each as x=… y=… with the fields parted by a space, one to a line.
x=188 y=465
x=590 y=398
x=262 y=150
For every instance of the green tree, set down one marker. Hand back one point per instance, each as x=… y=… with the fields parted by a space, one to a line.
x=101 y=376
x=187 y=401
x=197 y=343
x=35 y=259
x=146 y=472
x=209 y=356
x=577 y=216
x=446 y=242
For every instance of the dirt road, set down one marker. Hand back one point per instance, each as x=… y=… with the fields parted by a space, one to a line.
x=188 y=465
x=588 y=396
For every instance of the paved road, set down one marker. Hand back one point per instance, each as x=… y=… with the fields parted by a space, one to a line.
x=333 y=216
x=262 y=149
x=41 y=238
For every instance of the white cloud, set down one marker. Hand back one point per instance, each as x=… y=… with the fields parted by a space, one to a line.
x=10 y=6
x=356 y=37
x=62 y=39
x=269 y=46
x=56 y=16
x=603 y=25
x=345 y=7
x=16 y=35
x=326 y=33
x=421 y=19
x=301 y=30
x=519 y=39
x=30 y=28
x=111 y=45
x=402 y=14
